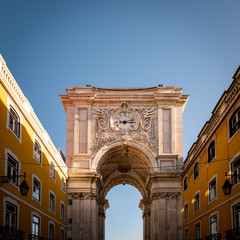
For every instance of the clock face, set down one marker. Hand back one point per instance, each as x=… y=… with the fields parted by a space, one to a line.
x=124 y=121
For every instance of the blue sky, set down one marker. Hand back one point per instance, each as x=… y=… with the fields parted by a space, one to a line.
x=51 y=45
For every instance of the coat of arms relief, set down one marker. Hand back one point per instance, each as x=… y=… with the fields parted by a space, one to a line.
x=125 y=123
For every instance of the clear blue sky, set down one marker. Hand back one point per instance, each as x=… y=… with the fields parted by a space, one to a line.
x=52 y=45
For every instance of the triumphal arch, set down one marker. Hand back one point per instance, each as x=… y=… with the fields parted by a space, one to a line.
x=124 y=136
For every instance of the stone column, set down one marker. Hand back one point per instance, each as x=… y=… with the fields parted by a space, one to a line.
x=145 y=206
x=159 y=216
x=84 y=216
x=103 y=205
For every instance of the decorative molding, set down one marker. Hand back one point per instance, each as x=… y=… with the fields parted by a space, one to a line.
x=17 y=95
x=220 y=110
x=83 y=196
x=165 y=195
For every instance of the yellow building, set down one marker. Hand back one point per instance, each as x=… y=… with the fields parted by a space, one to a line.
x=207 y=213
x=26 y=148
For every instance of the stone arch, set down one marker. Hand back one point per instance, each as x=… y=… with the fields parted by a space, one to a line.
x=124 y=179
x=151 y=156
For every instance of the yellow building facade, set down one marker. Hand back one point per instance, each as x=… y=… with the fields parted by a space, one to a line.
x=207 y=213
x=26 y=148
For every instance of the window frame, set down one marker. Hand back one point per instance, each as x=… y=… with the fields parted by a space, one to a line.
x=211 y=156
x=62 y=208
x=52 y=202
x=63 y=184
x=235 y=172
x=197 y=235
x=62 y=230
x=185 y=183
x=12 y=202
x=11 y=214
x=186 y=234
x=194 y=172
x=14 y=158
x=233 y=131
x=210 y=199
x=51 y=223
x=37 y=143
x=52 y=170
x=186 y=210
x=210 y=223
x=34 y=214
x=34 y=177
x=16 y=122
x=196 y=205
x=234 y=213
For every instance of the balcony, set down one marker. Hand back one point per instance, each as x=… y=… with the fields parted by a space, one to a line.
x=214 y=237
x=233 y=234
x=35 y=237
x=7 y=233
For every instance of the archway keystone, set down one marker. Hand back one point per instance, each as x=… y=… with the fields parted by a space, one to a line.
x=124 y=136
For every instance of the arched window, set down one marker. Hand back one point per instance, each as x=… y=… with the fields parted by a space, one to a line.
x=37 y=151
x=234 y=122
x=14 y=121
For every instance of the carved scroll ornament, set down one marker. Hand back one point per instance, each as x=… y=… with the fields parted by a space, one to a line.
x=125 y=123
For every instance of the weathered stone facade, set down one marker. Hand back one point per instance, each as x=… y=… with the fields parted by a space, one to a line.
x=124 y=136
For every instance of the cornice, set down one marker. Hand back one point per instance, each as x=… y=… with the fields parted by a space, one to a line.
x=15 y=92
x=221 y=109
x=144 y=96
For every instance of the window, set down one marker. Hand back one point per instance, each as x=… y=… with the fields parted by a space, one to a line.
x=185 y=210
x=35 y=226
x=69 y=202
x=37 y=151
x=63 y=184
x=62 y=210
x=186 y=234
x=12 y=169
x=211 y=151
x=36 y=189
x=52 y=202
x=185 y=184
x=196 y=170
x=212 y=190
x=197 y=231
x=196 y=202
x=52 y=171
x=62 y=234
x=213 y=225
x=69 y=221
x=51 y=231
x=234 y=122
x=11 y=215
x=14 y=122
x=236 y=219
x=235 y=168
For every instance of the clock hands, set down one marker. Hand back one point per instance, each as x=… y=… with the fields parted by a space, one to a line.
x=127 y=121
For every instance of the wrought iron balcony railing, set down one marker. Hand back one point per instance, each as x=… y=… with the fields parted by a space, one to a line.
x=233 y=234
x=35 y=237
x=8 y=233
x=216 y=236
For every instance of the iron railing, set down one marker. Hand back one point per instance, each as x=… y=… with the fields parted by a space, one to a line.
x=216 y=236
x=233 y=234
x=8 y=233
x=35 y=237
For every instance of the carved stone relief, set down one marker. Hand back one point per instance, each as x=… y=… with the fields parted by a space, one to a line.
x=125 y=123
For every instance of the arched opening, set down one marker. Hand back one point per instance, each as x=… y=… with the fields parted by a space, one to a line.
x=124 y=217
x=124 y=170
